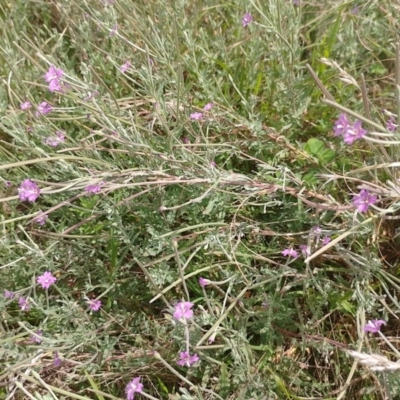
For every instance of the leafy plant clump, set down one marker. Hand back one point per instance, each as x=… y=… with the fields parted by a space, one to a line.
x=199 y=200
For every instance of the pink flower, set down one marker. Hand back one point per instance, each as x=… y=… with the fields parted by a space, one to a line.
x=316 y=229
x=25 y=106
x=8 y=294
x=290 y=252
x=353 y=133
x=95 y=188
x=363 y=200
x=326 y=240
x=40 y=218
x=54 y=86
x=94 y=305
x=208 y=106
x=196 y=116
x=374 y=325
x=203 y=282
x=183 y=310
x=305 y=250
x=57 y=361
x=341 y=125
x=134 y=386
x=246 y=20
x=53 y=74
x=23 y=304
x=43 y=109
x=28 y=191
x=46 y=280
x=54 y=141
x=186 y=359
x=390 y=125
x=35 y=338
x=124 y=67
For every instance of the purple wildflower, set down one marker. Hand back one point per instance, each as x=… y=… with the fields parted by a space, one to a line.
x=52 y=77
x=290 y=252
x=36 y=338
x=8 y=294
x=25 y=106
x=390 y=125
x=54 y=141
x=57 y=361
x=203 y=282
x=8 y=184
x=134 y=386
x=183 y=310
x=95 y=188
x=363 y=200
x=53 y=73
x=40 y=218
x=296 y=2
x=374 y=325
x=208 y=106
x=94 y=305
x=54 y=86
x=185 y=359
x=353 y=133
x=43 y=108
x=246 y=20
x=23 y=304
x=196 y=116
x=306 y=251
x=46 y=280
x=316 y=229
x=341 y=125
x=326 y=240
x=124 y=67
x=28 y=191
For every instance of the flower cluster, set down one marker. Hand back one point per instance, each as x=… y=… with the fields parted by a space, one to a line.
x=350 y=132
x=183 y=311
x=318 y=241
x=196 y=116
